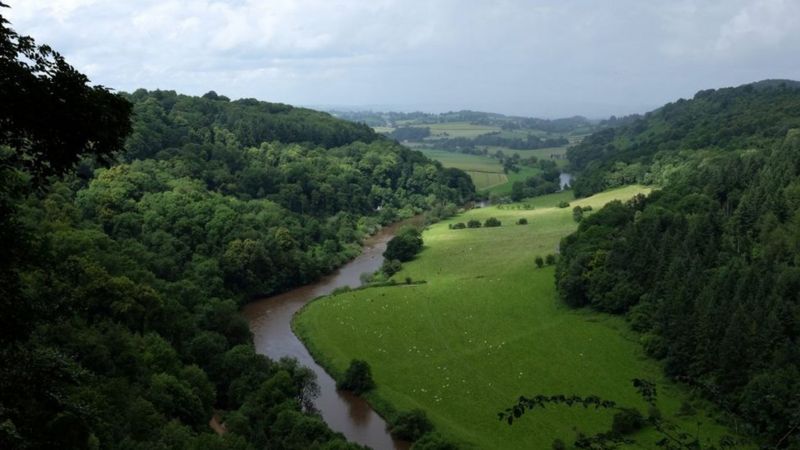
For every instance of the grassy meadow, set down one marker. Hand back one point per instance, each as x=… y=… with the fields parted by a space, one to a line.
x=459 y=129
x=485 y=172
x=522 y=174
x=486 y=327
x=539 y=153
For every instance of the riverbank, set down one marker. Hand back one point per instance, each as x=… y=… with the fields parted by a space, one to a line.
x=270 y=322
x=486 y=328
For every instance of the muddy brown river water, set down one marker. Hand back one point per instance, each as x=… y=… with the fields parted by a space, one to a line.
x=270 y=321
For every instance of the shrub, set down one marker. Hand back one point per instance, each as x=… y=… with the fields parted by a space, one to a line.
x=627 y=421
x=390 y=268
x=433 y=441
x=686 y=409
x=458 y=226
x=558 y=444
x=341 y=290
x=653 y=413
x=550 y=259
x=411 y=425
x=358 y=377
x=492 y=222
x=408 y=280
x=563 y=204
x=404 y=246
x=587 y=208
x=577 y=214
x=539 y=262
x=522 y=221
x=473 y=223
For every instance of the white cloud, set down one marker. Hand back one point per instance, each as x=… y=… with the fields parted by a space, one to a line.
x=763 y=23
x=525 y=56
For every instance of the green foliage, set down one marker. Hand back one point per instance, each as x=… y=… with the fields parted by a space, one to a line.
x=488 y=290
x=686 y=409
x=539 y=261
x=627 y=421
x=51 y=116
x=550 y=259
x=711 y=258
x=121 y=285
x=357 y=378
x=433 y=441
x=577 y=214
x=522 y=221
x=458 y=226
x=391 y=267
x=491 y=222
x=558 y=444
x=411 y=425
x=653 y=413
x=546 y=182
x=410 y=133
x=563 y=204
x=404 y=246
x=473 y=223
x=671 y=141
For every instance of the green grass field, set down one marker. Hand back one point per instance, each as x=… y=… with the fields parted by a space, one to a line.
x=459 y=129
x=505 y=188
x=487 y=327
x=540 y=153
x=485 y=172
x=383 y=130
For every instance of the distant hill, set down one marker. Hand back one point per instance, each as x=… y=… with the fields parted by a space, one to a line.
x=394 y=119
x=250 y=120
x=751 y=116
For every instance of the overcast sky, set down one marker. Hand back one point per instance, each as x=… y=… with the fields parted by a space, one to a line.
x=543 y=58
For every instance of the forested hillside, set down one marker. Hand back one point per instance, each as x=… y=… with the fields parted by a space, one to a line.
x=656 y=147
x=121 y=282
x=708 y=267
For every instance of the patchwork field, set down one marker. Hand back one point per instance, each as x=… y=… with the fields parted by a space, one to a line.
x=459 y=129
x=540 y=153
x=523 y=173
x=485 y=172
x=488 y=327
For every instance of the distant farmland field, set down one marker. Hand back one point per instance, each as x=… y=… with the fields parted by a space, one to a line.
x=485 y=172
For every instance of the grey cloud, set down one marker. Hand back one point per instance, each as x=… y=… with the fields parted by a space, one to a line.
x=547 y=58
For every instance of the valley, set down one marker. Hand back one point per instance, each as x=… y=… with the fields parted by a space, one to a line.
x=194 y=269
x=486 y=327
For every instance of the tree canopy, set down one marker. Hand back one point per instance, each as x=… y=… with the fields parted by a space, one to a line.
x=707 y=267
x=130 y=245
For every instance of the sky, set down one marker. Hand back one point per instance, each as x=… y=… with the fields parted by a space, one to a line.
x=537 y=58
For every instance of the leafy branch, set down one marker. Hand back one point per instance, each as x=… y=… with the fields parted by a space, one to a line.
x=626 y=420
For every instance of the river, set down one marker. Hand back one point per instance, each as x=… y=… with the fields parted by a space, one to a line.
x=270 y=321
x=565 y=180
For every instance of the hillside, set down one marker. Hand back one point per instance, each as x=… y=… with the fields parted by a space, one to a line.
x=507 y=157
x=124 y=268
x=707 y=267
x=652 y=148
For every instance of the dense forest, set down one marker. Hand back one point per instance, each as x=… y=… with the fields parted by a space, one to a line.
x=659 y=146
x=135 y=225
x=707 y=268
